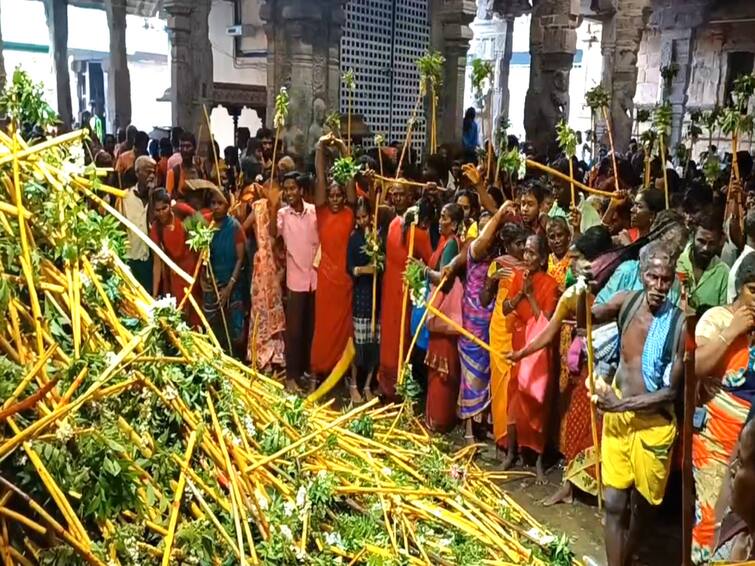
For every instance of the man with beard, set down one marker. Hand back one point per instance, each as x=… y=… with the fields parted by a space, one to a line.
x=191 y=166
x=639 y=426
x=705 y=275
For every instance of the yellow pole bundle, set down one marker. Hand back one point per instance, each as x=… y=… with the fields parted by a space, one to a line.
x=134 y=439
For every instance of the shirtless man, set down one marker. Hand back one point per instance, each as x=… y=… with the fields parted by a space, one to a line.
x=639 y=426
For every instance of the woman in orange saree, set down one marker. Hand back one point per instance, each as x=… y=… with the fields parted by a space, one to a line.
x=335 y=221
x=725 y=358
x=532 y=298
x=496 y=288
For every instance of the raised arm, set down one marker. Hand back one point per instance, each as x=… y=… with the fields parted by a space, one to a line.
x=486 y=238
x=321 y=180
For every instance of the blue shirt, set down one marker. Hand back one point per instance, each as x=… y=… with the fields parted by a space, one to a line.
x=627 y=278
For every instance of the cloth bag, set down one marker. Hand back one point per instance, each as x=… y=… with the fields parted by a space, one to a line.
x=450 y=305
x=533 y=370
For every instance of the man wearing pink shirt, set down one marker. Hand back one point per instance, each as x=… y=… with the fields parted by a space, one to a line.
x=297 y=226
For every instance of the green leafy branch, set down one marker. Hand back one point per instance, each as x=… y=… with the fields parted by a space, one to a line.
x=514 y=162
x=373 y=249
x=199 y=233
x=344 y=169
x=482 y=71
x=662 y=118
x=349 y=80
x=281 y=108
x=430 y=67
x=23 y=102
x=333 y=121
x=597 y=98
x=567 y=138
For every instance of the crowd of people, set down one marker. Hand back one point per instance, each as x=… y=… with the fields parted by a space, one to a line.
x=301 y=267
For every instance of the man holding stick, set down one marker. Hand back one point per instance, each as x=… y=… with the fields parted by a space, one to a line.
x=639 y=426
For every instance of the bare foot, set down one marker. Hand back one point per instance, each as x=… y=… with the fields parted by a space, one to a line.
x=356 y=397
x=368 y=394
x=509 y=460
x=562 y=495
x=292 y=386
x=540 y=478
x=312 y=384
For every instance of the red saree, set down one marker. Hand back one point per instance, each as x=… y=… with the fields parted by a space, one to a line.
x=444 y=370
x=333 y=322
x=396 y=254
x=525 y=410
x=172 y=239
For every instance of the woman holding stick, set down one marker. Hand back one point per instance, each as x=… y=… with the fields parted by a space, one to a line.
x=474 y=388
x=533 y=295
x=396 y=256
x=442 y=358
x=362 y=270
x=335 y=221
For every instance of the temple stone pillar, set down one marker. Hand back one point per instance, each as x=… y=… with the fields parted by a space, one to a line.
x=553 y=42
x=56 y=12
x=450 y=34
x=304 y=52
x=676 y=53
x=622 y=32
x=118 y=78
x=190 y=61
x=505 y=66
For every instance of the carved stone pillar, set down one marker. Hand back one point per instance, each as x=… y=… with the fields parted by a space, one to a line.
x=553 y=42
x=118 y=78
x=190 y=61
x=304 y=51
x=620 y=42
x=676 y=53
x=450 y=34
x=505 y=66
x=56 y=12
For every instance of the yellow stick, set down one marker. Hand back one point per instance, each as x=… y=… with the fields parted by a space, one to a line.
x=409 y=128
x=593 y=409
x=401 y=180
x=39 y=147
x=177 y=500
x=558 y=174
x=460 y=329
x=212 y=143
x=307 y=437
x=375 y=275
x=404 y=304
x=571 y=181
x=613 y=150
x=663 y=165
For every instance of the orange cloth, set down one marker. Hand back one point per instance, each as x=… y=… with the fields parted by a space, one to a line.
x=524 y=410
x=396 y=254
x=333 y=322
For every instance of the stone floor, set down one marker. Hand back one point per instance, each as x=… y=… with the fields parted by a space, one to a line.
x=582 y=522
